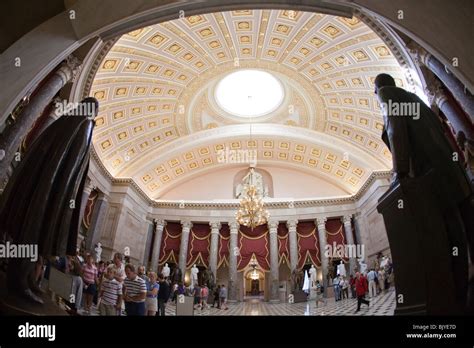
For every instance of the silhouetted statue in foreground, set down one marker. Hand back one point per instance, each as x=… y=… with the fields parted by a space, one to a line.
x=431 y=178
x=41 y=203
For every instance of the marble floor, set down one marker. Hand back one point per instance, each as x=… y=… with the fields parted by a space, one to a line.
x=382 y=304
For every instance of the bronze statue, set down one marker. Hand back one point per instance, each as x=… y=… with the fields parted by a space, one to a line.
x=208 y=278
x=421 y=149
x=41 y=203
x=176 y=275
x=297 y=279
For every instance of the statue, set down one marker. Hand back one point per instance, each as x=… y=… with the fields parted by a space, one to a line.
x=362 y=266
x=252 y=178
x=36 y=204
x=98 y=252
x=297 y=280
x=383 y=262
x=177 y=275
x=208 y=278
x=313 y=275
x=166 y=271
x=194 y=276
x=341 y=269
x=426 y=173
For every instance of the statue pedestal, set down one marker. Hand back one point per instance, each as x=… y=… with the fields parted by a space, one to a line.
x=299 y=296
x=15 y=305
x=420 y=248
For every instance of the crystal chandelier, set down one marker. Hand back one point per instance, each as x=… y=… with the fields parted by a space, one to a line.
x=251 y=212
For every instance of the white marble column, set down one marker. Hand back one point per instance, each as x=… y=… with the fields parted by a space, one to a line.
x=97 y=222
x=233 y=253
x=183 y=248
x=215 y=227
x=274 y=266
x=321 y=223
x=350 y=241
x=12 y=136
x=155 y=256
x=291 y=224
x=88 y=187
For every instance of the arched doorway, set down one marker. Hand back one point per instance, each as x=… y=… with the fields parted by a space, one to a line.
x=254 y=281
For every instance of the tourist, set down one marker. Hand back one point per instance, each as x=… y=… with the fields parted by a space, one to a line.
x=381 y=278
x=319 y=294
x=134 y=292
x=361 y=290
x=337 y=289
x=204 y=295
x=344 y=288
x=217 y=292
x=110 y=294
x=197 y=296
x=141 y=273
x=181 y=288
x=74 y=268
x=223 y=297
x=174 y=291
x=163 y=295
x=89 y=277
x=352 y=286
x=372 y=278
x=152 y=294
x=119 y=267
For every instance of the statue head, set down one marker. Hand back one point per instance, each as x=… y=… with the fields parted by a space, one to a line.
x=166 y=264
x=383 y=80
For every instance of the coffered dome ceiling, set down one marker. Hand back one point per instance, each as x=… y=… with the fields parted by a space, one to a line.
x=160 y=123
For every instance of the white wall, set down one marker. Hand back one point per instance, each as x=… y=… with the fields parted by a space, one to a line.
x=287 y=183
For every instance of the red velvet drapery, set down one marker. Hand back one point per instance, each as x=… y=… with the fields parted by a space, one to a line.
x=283 y=244
x=199 y=245
x=335 y=235
x=89 y=209
x=224 y=236
x=170 y=243
x=253 y=242
x=308 y=244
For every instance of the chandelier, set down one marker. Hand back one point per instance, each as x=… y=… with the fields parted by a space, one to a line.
x=251 y=212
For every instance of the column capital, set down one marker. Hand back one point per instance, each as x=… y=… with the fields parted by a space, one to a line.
x=186 y=225
x=215 y=226
x=69 y=69
x=88 y=185
x=160 y=224
x=291 y=224
x=346 y=219
x=273 y=225
x=233 y=226
x=321 y=221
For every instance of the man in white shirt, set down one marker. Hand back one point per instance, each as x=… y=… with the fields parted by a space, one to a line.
x=371 y=277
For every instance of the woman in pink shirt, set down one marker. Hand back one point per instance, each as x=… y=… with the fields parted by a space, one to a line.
x=89 y=276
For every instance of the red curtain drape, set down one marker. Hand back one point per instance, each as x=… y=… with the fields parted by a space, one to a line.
x=86 y=219
x=283 y=244
x=224 y=236
x=170 y=243
x=335 y=235
x=308 y=243
x=253 y=242
x=199 y=245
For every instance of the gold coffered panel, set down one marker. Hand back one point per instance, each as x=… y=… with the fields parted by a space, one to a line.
x=155 y=87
